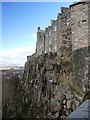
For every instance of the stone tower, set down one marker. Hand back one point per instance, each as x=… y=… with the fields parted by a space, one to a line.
x=79 y=25
x=63 y=31
x=40 y=45
x=80 y=42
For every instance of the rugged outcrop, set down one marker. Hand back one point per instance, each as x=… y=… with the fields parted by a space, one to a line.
x=49 y=87
x=81 y=67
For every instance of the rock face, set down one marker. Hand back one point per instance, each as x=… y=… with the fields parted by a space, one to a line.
x=49 y=88
x=81 y=67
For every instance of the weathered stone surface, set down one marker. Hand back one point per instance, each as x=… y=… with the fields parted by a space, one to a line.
x=50 y=88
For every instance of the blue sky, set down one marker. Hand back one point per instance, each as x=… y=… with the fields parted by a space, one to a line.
x=19 y=24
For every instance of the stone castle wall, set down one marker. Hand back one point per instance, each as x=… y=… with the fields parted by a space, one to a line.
x=79 y=25
x=50 y=39
x=40 y=41
x=80 y=43
x=69 y=29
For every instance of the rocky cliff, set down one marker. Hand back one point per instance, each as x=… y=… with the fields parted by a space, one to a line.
x=52 y=86
x=50 y=90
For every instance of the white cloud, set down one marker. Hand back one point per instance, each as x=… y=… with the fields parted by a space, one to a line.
x=17 y=56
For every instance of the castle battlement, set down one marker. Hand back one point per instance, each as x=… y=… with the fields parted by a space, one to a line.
x=69 y=29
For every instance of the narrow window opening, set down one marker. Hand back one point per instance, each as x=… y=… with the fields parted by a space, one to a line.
x=83 y=20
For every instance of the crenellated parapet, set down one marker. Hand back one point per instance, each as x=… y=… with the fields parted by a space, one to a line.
x=40 y=41
x=70 y=27
x=51 y=39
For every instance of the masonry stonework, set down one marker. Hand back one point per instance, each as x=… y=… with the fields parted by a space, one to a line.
x=79 y=25
x=40 y=41
x=69 y=29
x=80 y=43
